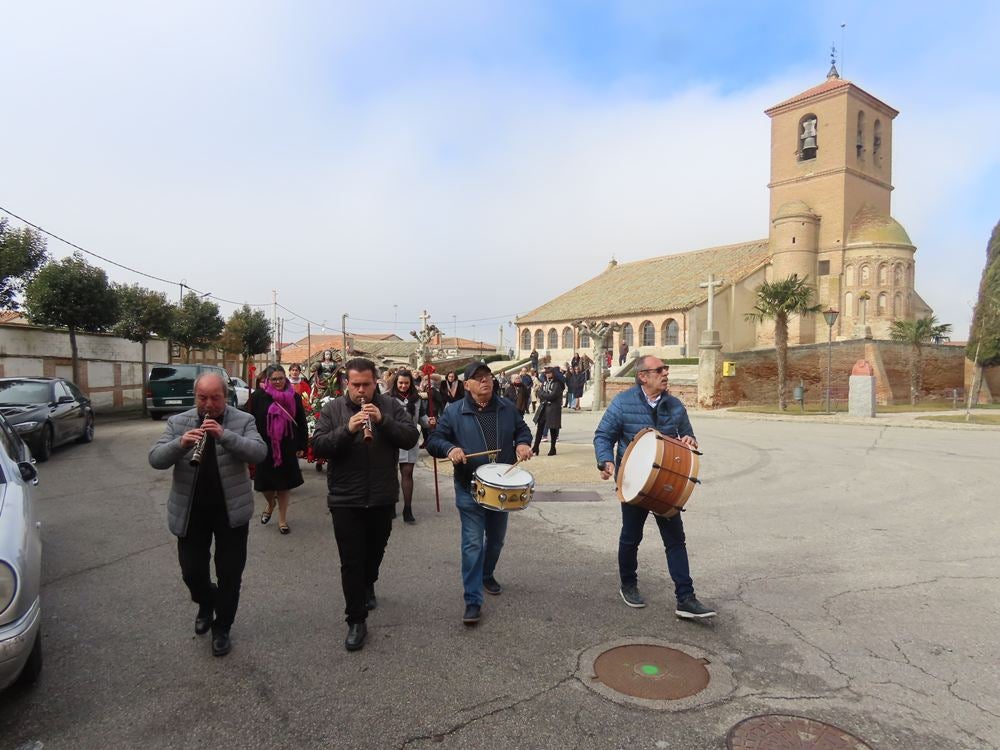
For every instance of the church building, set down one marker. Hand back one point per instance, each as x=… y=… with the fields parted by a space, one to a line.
x=830 y=223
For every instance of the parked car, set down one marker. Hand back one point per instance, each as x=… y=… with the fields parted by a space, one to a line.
x=171 y=388
x=20 y=564
x=46 y=412
x=242 y=392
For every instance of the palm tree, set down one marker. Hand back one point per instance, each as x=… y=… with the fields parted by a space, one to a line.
x=776 y=300
x=916 y=333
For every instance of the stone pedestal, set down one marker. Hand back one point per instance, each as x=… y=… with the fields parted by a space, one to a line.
x=709 y=368
x=861 y=398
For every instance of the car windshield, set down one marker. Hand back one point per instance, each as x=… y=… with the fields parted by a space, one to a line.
x=25 y=392
x=182 y=372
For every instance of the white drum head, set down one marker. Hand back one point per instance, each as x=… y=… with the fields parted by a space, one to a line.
x=490 y=474
x=635 y=472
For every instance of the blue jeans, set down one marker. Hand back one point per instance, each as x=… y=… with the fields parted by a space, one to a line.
x=483 y=532
x=571 y=403
x=672 y=533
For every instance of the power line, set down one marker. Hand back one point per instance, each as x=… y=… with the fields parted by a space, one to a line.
x=182 y=284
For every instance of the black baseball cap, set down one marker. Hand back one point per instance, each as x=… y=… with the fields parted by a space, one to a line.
x=473 y=367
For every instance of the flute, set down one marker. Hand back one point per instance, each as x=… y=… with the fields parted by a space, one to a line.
x=367 y=425
x=199 y=447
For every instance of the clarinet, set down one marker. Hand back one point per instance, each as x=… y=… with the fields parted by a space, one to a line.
x=369 y=435
x=199 y=447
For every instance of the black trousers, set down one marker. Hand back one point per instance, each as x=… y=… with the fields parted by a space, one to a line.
x=194 y=552
x=539 y=431
x=362 y=534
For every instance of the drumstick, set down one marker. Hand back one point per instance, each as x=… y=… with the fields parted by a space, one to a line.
x=471 y=455
x=512 y=467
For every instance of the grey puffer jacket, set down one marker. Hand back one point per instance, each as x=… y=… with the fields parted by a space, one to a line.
x=240 y=444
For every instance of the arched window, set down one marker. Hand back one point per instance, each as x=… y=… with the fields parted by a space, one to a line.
x=648 y=334
x=627 y=335
x=860 y=146
x=669 y=336
x=584 y=341
x=568 y=338
x=883 y=275
x=897 y=275
x=849 y=305
x=883 y=303
x=877 y=143
x=553 y=338
x=808 y=137
x=897 y=305
x=865 y=274
x=525 y=339
x=539 y=339
x=849 y=276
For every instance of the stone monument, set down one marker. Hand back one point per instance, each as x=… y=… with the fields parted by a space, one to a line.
x=861 y=396
x=709 y=351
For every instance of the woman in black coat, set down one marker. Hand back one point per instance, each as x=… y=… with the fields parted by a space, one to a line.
x=452 y=388
x=281 y=421
x=549 y=413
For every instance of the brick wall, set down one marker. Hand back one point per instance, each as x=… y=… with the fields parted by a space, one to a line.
x=686 y=392
x=756 y=379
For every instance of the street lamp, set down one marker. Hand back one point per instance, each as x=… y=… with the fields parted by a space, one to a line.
x=830 y=315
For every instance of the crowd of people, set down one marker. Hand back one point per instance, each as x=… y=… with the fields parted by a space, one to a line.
x=368 y=428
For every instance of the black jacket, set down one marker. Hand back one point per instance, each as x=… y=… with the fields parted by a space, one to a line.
x=363 y=474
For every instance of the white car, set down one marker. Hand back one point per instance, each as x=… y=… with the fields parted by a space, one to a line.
x=242 y=391
x=20 y=564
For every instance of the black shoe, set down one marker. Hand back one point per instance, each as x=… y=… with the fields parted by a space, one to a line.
x=692 y=609
x=221 y=645
x=356 y=634
x=492 y=586
x=552 y=451
x=203 y=622
x=632 y=597
x=535 y=451
x=408 y=515
x=473 y=613
x=370 y=601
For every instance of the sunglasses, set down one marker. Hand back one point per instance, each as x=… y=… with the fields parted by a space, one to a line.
x=658 y=370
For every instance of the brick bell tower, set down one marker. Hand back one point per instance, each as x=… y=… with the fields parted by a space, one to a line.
x=831 y=156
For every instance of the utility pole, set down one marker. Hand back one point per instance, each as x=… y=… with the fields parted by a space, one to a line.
x=309 y=344
x=343 y=331
x=274 y=325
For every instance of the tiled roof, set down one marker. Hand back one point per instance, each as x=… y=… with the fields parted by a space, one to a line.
x=669 y=282
x=830 y=84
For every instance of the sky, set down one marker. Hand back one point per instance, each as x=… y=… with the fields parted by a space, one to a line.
x=474 y=159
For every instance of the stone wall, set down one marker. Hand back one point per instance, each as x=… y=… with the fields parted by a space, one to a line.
x=686 y=392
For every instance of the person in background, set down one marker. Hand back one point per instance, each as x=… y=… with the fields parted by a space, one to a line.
x=404 y=393
x=549 y=413
x=452 y=388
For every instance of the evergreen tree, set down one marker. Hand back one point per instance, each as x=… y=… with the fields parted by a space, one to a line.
x=197 y=323
x=143 y=314
x=22 y=254
x=248 y=332
x=75 y=295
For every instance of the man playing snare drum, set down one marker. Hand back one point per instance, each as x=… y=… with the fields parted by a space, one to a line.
x=648 y=404
x=480 y=421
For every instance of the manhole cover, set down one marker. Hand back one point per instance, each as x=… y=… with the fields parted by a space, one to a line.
x=651 y=672
x=571 y=496
x=778 y=732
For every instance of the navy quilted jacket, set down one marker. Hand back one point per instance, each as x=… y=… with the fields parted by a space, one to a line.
x=628 y=413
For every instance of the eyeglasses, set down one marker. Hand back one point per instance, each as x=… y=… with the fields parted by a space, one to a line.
x=279 y=379
x=658 y=370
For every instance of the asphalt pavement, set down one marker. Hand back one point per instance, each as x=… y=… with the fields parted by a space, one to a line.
x=853 y=565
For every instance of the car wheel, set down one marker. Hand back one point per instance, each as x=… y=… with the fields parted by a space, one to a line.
x=33 y=667
x=45 y=444
x=88 y=431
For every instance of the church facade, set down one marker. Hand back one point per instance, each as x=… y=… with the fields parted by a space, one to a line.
x=829 y=222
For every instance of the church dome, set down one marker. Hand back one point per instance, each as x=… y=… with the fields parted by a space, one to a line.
x=870 y=226
x=794 y=209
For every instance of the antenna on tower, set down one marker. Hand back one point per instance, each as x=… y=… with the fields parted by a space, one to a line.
x=832 y=73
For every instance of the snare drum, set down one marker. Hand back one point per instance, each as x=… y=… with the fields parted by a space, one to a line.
x=496 y=488
x=657 y=473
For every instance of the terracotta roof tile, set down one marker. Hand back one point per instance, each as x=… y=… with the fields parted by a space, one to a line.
x=830 y=84
x=669 y=282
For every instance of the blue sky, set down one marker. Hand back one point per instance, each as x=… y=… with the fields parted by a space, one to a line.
x=472 y=158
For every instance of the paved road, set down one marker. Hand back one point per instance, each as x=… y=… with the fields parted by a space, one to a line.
x=855 y=569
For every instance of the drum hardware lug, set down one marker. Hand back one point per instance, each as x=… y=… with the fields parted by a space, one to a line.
x=502 y=497
x=656 y=465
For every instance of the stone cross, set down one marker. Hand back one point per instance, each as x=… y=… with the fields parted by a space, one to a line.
x=423 y=319
x=710 y=285
x=425 y=335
